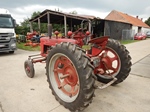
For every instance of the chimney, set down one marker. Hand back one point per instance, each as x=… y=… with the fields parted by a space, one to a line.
x=137 y=17
x=141 y=19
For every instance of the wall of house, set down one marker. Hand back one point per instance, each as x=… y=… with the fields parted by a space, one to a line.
x=135 y=29
x=144 y=30
x=140 y=29
x=115 y=29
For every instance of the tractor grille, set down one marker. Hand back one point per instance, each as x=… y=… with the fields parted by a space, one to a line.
x=4 y=37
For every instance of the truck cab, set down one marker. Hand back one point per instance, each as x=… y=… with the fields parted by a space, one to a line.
x=7 y=32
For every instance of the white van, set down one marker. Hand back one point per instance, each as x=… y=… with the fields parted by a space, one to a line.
x=7 y=32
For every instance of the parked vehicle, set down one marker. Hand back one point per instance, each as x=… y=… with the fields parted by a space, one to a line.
x=7 y=32
x=21 y=38
x=148 y=34
x=75 y=62
x=140 y=36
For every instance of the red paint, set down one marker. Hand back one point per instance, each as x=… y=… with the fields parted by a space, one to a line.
x=97 y=50
x=88 y=33
x=140 y=36
x=106 y=62
x=46 y=41
x=69 y=75
x=69 y=33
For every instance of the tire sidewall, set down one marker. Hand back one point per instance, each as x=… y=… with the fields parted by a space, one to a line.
x=79 y=68
x=123 y=57
x=30 y=65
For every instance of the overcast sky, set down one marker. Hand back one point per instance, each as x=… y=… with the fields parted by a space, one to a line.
x=21 y=9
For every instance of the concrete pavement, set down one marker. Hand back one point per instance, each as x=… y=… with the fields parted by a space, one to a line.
x=142 y=67
x=18 y=93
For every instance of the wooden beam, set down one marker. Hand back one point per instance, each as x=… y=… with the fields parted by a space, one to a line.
x=39 y=25
x=31 y=29
x=65 y=24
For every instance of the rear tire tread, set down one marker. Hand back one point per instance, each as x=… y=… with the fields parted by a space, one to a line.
x=86 y=93
x=125 y=59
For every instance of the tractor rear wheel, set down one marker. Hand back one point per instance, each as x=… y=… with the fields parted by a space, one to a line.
x=116 y=62
x=70 y=76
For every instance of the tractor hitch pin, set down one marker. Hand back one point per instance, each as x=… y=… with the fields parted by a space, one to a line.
x=108 y=84
x=64 y=76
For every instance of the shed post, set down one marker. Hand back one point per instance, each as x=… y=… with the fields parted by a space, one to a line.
x=65 y=25
x=31 y=29
x=39 y=24
x=90 y=26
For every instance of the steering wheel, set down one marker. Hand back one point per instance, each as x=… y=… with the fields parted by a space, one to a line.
x=78 y=33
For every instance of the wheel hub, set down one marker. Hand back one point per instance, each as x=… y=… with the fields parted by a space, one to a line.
x=72 y=77
x=28 y=69
x=66 y=76
x=107 y=61
x=110 y=62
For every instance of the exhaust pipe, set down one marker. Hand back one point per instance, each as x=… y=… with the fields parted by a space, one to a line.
x=49 y=30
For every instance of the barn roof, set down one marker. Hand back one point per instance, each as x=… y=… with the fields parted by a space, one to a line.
x=58 y=17
x=122 y=17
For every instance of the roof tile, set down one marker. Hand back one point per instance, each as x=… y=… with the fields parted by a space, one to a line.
x=122 y=17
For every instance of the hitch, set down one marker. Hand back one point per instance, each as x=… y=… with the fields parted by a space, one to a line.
x=36 y=58
x=106 y=85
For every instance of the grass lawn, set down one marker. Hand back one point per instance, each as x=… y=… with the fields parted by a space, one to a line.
x=128 y=41
x=37 y=48
x=29 y=48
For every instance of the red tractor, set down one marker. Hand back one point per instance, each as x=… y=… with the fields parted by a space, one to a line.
x=33 y=39
x=75 y=62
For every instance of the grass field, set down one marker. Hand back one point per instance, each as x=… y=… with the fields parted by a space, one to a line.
x=37 y=48
x=128 y=41
x=29 y=48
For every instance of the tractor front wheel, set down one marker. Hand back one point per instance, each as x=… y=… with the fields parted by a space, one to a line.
x=29 y=68
x=70 y=76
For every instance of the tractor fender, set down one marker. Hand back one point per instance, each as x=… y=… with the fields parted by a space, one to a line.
x=99 y=40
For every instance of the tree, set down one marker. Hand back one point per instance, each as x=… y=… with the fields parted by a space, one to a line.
x=23 y=28
x=73 y=12
x=148 y=21
x=35 y=14
x=35 y=26
x=25 y=25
